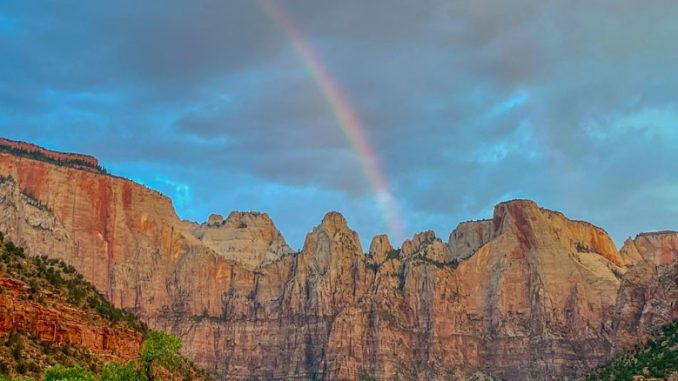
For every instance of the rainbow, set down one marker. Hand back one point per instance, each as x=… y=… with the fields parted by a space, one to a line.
x=347 y=117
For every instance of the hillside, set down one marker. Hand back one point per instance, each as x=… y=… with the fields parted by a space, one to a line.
x=50 y=316
x=656 y=360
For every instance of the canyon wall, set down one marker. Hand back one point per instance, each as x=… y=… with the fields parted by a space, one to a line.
x=525 y=295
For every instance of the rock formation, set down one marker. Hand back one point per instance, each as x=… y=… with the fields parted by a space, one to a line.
x=250 y=239
x=469 y=237
x=648 y=296
x=527 y=295
x=32 y=151
x=54 y=321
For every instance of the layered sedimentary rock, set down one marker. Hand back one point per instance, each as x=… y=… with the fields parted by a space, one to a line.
x=52 y=320
x=526 y=295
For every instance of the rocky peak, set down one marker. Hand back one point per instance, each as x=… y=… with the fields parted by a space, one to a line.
x=418 y=242
x=629 y=253
x=334 y=222
x=329 y=267
x=245 y=220
x=379 y=248
x=215 y=219
x=536 y=227
x=332 y=231
x=514 y=213
x=426 y=245
x=660 y=248
x=248 y=238
x=469 y=237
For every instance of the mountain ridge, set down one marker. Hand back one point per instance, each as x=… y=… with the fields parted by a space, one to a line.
x=518 y=302
x=29 y=147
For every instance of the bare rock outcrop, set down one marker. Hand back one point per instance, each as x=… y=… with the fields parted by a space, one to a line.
x=248 y=238
x=426 y=246
x=380 y=247
x=629 y=253
x=648 y=296
x=469 y=237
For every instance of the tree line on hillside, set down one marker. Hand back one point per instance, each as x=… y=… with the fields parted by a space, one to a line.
x=657 y=359
x=160 y=354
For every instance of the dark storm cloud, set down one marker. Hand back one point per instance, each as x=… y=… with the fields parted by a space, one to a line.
x=466 y=103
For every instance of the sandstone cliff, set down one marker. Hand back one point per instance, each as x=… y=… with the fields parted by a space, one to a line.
x=250 y=239
x=648 y=296
x=469 y=237
x=527 y=295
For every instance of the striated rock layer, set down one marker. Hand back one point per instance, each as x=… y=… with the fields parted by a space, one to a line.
x=55 y=322
x=527 y=295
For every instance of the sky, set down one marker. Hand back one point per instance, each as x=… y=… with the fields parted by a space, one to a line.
x=455 y=105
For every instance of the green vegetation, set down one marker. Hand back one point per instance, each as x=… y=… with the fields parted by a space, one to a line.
x=374 y=267
x=421 y=259
x=116 y=372
x=364 y=376
x=161 y=349
x=25 y=355
x=393 y=254
x=406 y=371
x=387 y=316
x=480 y=376
x=658 y=358
x=43 y=274
x=583 y=248
x=76 y=373
x=160 y=355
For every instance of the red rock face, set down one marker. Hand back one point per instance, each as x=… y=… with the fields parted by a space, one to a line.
x=18 y=148
x=56 y=322
x=534 y=296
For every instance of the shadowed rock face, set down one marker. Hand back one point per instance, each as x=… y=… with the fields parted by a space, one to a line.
x=648 y=296
x=469 y=237
x=534 y=295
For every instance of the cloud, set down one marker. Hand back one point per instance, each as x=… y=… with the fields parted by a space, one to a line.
x=465 y=103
